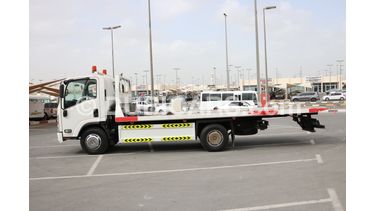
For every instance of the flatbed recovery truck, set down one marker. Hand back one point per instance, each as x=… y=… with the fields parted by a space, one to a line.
x=97 y=110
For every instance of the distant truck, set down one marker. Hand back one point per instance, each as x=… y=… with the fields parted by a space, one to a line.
x=97 y=109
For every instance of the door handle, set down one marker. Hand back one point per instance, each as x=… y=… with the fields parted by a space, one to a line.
x=96 y=112
x=65 y=113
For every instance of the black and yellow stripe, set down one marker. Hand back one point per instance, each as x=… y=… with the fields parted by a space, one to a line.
x=176 y=138
x=177 y=125
x=134 y=127
x=136 y=140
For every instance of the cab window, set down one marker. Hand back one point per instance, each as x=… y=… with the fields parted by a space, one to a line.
x=215 y=97
x=205 y=97
x=227 y=97
x=78 y=91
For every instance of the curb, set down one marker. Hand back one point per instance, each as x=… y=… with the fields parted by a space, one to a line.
x=334 y=111
x=42 y=122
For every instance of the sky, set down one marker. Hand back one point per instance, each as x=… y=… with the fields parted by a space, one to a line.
x=66 y=37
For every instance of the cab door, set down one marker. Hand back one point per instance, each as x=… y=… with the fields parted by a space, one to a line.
x=79 y=105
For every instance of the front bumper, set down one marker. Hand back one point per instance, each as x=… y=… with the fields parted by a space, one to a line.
x=60 y=137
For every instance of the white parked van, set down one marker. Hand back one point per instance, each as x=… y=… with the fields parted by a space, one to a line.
x=36 y=106
x=211 y=100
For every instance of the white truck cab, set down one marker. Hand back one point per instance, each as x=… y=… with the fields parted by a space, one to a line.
x=87 y=101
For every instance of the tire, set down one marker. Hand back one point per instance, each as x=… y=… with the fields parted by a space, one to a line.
x=342 y=99
x=151 y=109
x=295 y=100
x=45 y=117
x=327 y=99
x=94 y=141
x=214 y=137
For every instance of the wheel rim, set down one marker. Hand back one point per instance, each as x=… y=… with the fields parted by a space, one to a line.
x=215 y=138
x=93 y=141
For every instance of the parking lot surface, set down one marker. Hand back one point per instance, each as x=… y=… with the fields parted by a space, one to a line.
x=281 y=168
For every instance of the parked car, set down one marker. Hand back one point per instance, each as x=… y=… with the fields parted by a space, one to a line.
x=335 y=96
x=293 y=93
x=306 y=96
x=144 y=106
x=334 y=90
x=235 y=105
x=164 y=109
x=50 y=109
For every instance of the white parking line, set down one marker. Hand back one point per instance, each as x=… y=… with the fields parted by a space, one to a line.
x=319 y=159
x=332 y=198
x=312 y=141
x=274 y=206
x=335 y=200
x=174 y=170
x=93 y=167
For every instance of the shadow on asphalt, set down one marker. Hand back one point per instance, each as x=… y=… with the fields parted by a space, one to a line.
x=241 y=144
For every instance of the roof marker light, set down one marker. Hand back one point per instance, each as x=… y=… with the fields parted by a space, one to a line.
x=93 y=69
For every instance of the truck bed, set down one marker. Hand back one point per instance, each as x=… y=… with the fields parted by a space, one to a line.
x=214 y=114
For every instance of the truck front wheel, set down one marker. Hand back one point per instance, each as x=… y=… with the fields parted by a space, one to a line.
x=94 y=141
x=214 y=137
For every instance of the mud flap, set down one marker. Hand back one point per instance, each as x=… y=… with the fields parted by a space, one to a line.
x=307 y=123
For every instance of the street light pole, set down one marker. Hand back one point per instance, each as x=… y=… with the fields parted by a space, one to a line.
x=146 y=81
x=248 y=74
x=226 y=49
x=136 y=83
x=330 y=74
x=340 y=65
x=265 y=48
x=257 y=50
x=176 y=69
x=151 y=61
x=164 y=82
x=113 y=54
x=238 y=74
x=215 y=76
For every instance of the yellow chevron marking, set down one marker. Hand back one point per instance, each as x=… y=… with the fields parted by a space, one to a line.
x=134 y=127
x=136 y=140
x=176 y=138
x=177 y=125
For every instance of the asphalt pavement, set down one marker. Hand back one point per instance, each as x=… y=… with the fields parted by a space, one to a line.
x=281 y=168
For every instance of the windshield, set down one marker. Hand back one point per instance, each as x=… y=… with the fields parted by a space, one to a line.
x=78 y=91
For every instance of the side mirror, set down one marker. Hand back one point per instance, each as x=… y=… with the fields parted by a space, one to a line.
x=62 y=87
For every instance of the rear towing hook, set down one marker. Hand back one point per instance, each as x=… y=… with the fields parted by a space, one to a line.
x=307 y=123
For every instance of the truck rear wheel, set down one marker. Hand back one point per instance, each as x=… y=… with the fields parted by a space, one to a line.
x=214 y=137
x=94 y=141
